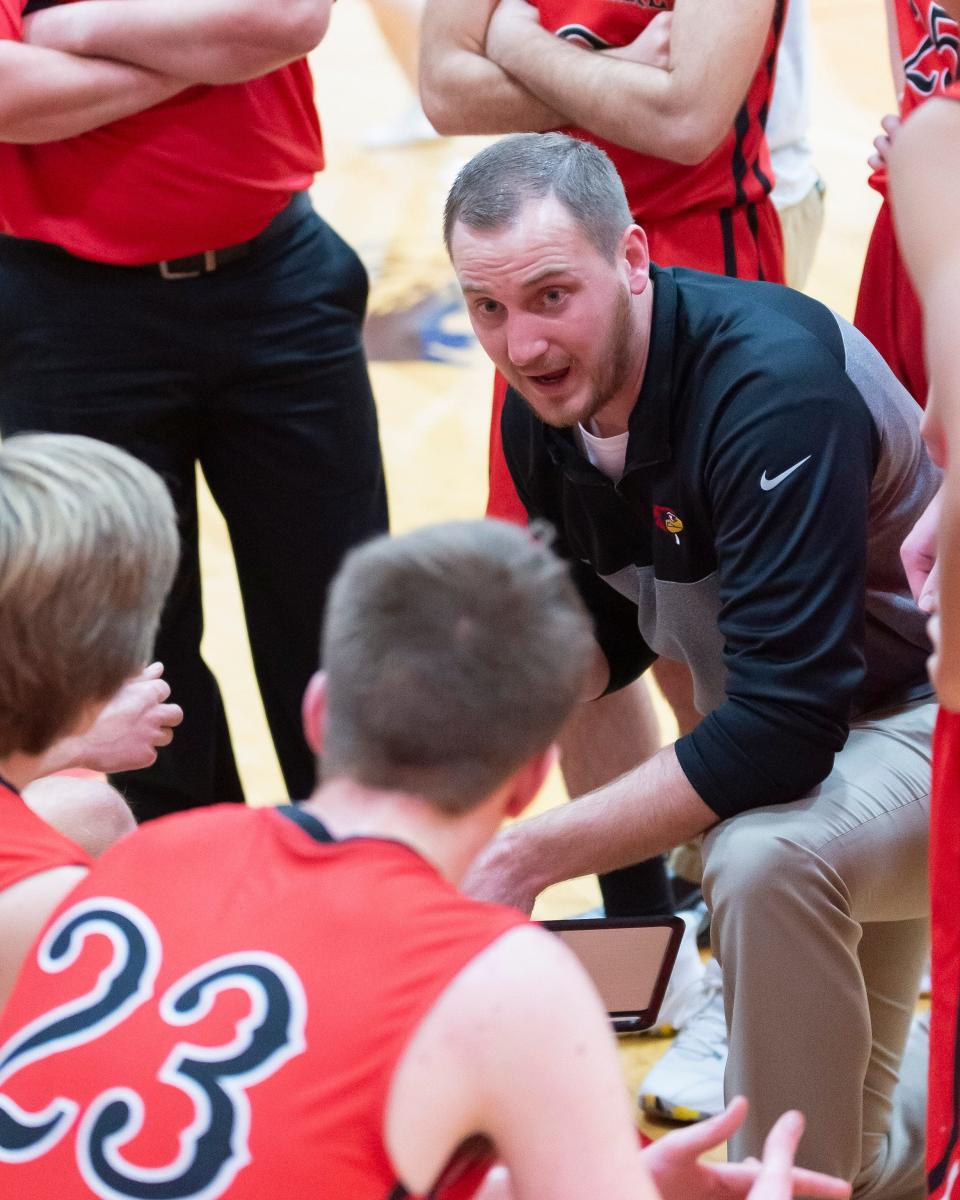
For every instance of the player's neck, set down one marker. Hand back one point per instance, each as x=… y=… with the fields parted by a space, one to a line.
x=349 y=809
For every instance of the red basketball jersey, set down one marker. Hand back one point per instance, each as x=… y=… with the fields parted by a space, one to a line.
x=29 y=844
x=943 y=1104
x=929 y=44
x=738 y=172
x=218 y=1011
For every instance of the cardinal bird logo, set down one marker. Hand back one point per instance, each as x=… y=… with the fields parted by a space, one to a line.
x=668 y=521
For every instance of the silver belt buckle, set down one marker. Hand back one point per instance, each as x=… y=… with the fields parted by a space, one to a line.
x=209 y=264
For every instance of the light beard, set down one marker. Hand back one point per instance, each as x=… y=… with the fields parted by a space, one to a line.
x=616 y=363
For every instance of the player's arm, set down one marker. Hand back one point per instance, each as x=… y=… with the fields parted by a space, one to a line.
x=566 y=1131
x=24 y=909
x=925 y=184
x=681 y=114
x=543 y=1083
x=46 y=95
x=462 y=90
x=210 y=41
x=127 y=732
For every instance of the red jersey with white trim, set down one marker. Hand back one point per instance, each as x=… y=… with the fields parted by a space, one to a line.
x=737 y=172
x=929 y=42
x=219 y=1008
x=208 y=168
x=29 y=844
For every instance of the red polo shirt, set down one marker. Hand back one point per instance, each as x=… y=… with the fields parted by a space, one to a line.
x=205 y=169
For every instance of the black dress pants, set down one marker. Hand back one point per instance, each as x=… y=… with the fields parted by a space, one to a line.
x=257 y=374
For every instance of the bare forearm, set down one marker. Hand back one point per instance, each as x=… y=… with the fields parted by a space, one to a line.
x=645 y=812
x=681 y=112
x=470 y=94
x=461 y=90
x=594 y=89
x=212 y=41
x=63 y=755
x=46 y=95
x=925 y=177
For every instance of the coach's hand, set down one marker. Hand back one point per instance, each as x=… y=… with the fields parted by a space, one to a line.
x=498 y=874
x=674 y=1162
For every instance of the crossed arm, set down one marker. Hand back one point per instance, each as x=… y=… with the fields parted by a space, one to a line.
x=492 y=68
x=81 y=66
x=211 y=41
x=46 y=95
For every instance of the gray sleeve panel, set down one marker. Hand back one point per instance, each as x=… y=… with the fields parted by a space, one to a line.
x=904 y=482
x=788 y=484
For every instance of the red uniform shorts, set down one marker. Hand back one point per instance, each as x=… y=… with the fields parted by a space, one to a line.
x=888 y=311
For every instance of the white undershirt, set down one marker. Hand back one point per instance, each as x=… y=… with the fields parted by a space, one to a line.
x=788 y=121
x=608 y=455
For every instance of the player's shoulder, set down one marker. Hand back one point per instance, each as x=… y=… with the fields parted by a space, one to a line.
x=524 y=969
x=198 y=832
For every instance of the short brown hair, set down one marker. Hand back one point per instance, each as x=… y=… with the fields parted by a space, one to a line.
x=491 y=189
x=88 y=550
x=453 y=654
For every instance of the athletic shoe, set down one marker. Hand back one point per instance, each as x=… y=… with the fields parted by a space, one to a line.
x=925 y=982
x=686 y=1084
x=684 y=995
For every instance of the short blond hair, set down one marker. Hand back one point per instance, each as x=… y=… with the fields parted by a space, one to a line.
x=88 y=550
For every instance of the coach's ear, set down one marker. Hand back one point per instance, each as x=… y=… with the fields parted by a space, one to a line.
x=529 y=779
x=636 y=257
x=314 y=711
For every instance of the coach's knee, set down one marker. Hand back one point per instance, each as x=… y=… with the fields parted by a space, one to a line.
x=748 y=865
x=86 y=810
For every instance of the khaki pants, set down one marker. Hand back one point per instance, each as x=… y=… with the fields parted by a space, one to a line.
x=802 y=224
x=819 y=920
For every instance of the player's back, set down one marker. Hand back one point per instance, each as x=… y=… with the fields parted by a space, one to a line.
x=218 y=1009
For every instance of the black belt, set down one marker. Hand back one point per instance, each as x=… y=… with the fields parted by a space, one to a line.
x=192 y=266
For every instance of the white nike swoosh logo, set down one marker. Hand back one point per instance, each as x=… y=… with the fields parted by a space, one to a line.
x=768 y=485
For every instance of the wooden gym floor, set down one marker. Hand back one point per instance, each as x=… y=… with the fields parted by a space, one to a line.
x=431 y=380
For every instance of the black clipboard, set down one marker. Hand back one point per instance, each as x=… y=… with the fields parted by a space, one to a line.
x=629 y=960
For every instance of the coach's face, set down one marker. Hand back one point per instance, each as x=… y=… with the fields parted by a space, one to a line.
x=567 y=326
